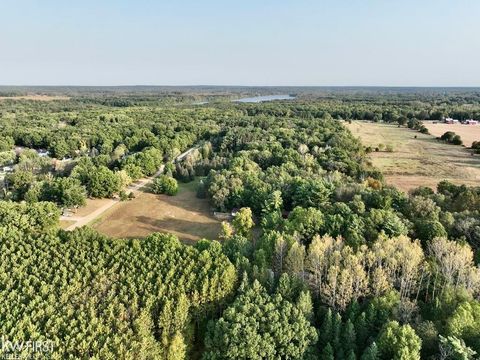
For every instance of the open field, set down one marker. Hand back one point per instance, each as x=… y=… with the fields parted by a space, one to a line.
x=468 y=133
x=95 y=208
x=35 y=97
x=184 y=215
x=415 y=162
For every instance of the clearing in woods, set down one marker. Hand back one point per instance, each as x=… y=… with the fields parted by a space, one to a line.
x=183 y=215
x=468 y=133
x=421 y=161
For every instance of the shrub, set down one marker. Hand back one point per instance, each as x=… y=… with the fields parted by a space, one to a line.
x=423 y=130
x=476 y=147
x=452 y=138
x=457 y=140
x=123 y=196
x=165 y=185
x=448 y=136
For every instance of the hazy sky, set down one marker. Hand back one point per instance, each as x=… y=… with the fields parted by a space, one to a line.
x=243 y=42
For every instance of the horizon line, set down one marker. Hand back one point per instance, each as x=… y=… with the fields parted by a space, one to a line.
x=250 y=86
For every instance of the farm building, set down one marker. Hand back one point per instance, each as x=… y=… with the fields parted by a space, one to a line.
x=451 y=121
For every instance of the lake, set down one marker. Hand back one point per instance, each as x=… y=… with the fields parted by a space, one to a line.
x=257 y=99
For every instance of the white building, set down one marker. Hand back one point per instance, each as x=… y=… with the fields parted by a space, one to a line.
x=451 y=121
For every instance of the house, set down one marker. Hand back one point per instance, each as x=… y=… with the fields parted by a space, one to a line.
x=42 y=152
x=451 y=121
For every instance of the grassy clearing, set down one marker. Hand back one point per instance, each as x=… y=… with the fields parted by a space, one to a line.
x=183 y=215
x=417 y=161
x=66 y=223
x=91 y=206
x=468 y=133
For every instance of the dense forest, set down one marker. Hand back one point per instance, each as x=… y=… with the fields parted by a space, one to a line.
x=322 y=259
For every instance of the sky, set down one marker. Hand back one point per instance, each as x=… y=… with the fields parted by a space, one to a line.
x=243 y=42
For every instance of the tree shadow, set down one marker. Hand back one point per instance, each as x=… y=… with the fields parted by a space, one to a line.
x=188 y=201
x=179 y=226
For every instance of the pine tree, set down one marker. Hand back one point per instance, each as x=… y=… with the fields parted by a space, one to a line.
x=305 y=305
x=349 y=337
x=351 y=355
x=176 y=348
x=352 y=311
x=280 y=252
x=371 y=353
x=362 y=330
x=285 y=287
x=336 y=331
x=295 y=260
x=399 y=342
x=327 y=353
x=326 y=329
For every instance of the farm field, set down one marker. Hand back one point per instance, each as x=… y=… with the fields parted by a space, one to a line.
x=184 y=215
x=416 y=161
x=468 y=133
x=36 y=97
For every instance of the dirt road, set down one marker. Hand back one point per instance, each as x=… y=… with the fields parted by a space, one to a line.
x=135 y=188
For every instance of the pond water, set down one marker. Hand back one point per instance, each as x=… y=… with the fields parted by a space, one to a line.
x=257 y=99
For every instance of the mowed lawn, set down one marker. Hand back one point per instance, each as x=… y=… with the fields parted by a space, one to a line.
x=183 y=215
x=468 y=133
x=417 y=161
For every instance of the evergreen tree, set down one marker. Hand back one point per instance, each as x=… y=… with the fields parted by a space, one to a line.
x=176 y=349
x=304 y=303
x=327 y=353
x=336 y=334
x=362 y=330
x=326 y=328
x=260 y=326
x=349 y=338
x=399 y=342
x=371 y=353
x=351 y=355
